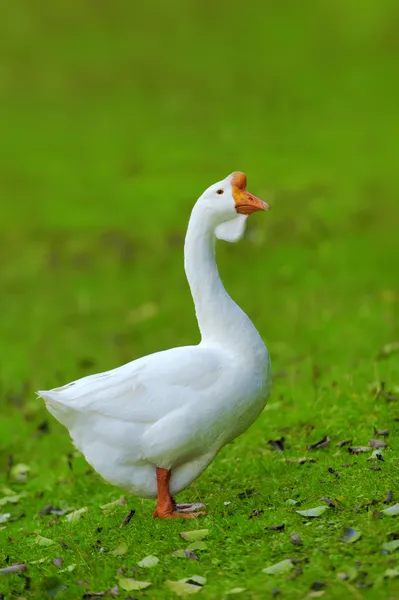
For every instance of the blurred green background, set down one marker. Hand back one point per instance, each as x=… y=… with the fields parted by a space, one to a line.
x=114 y=119
x=116 y=116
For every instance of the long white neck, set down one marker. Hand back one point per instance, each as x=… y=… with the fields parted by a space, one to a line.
x=220 y=320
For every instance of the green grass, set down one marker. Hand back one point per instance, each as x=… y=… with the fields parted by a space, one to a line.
x=114 y=118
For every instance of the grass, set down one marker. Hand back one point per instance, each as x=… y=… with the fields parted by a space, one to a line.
x=113 y=121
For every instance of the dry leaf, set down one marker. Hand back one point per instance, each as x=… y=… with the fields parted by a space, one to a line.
x=351 y=535
x=197 y=546
x=76 y=514
x=377 y=444
x=19 y=472
x=391 y=546
x=194 y=535
x=4 y=517
x=281 y=567
x=277 y=444
x=323 y=443
x=182 y=588
x=121 y=549
x=358 y=449
x=111 y=505
x=343 y=443
x=148 y=562
x=128 y=518
x=129 y=585
x=391 y=511
x=312 y=512
x=57 y=562
x=18 y=567
x=185 y=554
x=43 y=541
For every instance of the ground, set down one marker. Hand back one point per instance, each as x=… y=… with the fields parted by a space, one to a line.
x=114 y=118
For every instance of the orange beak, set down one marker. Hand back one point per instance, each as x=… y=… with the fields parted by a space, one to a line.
x=245 y=202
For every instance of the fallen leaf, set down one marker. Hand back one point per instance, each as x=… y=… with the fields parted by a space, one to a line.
x=194 y=535
x=148 y=562
x=295 y=539
x=292 y=502
x=391 y=573
x=181 y=553
x=382 y=432
x=351 y=535
x=46 y=510
x=14 y=499
x=281 y=567
x=388 y=349
x=57 y=562
x=278 y=528
x=43 y=541
x=49 y=509
x=389 y=497
x=316 y=594
x=277 y=444
x=377 y=444
x=255 y=514
x=19 y=472
x=76 y=514
x=298 y=571
x=358 y=449
x=197 y=579
x=181 y=588
x=312 y=512
x=300 y=461
x=197 y=546
x=323 y=443
x=18 y=567
x=128 y=518
x=68 y=569
x=4 y=517
x=121 y=549
x=129 y=585
x=391 y=511
x=343 y=443
x=111 y=505
x=391 y=546
x=328 y=501
x=318 y=585
x=236 y=590
x=376 y=455
x=114 y=591
x=39 y=561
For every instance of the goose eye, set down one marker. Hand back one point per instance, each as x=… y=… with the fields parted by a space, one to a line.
x=220 y=192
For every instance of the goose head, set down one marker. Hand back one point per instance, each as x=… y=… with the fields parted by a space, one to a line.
x=228 y=204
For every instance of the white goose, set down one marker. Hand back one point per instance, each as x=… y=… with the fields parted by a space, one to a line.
x=153 y=425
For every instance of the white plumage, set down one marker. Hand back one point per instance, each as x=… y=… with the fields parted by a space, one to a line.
x=176 y=409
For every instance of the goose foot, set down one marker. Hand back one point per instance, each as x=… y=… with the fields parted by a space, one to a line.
x=166 y=508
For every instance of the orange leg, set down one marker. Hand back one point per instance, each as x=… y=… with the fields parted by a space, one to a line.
x=165 y=506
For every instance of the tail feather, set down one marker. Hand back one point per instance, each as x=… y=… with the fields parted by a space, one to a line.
x=64 y=413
